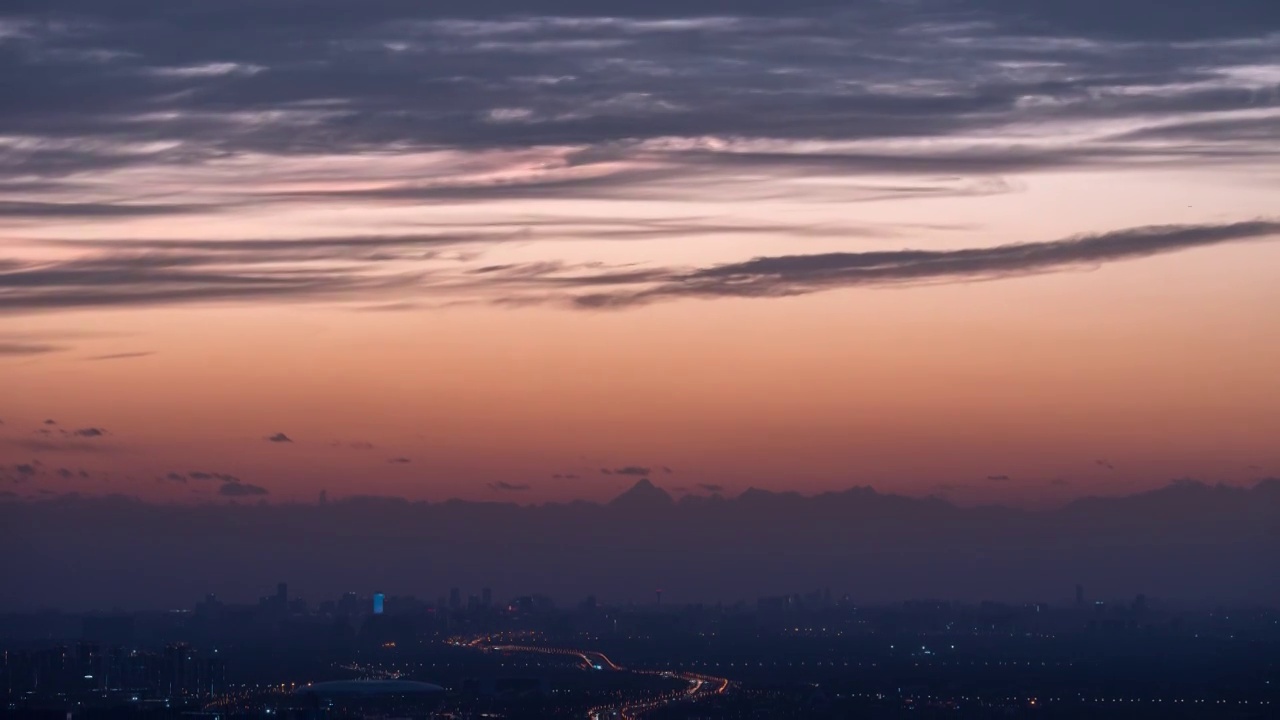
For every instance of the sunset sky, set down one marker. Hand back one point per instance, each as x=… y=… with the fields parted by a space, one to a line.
x=256 y=250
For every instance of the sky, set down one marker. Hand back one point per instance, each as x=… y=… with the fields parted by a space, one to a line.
x=987 y=250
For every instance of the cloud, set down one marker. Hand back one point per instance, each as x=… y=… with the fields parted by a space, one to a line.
x=400 y=461
x=667 y=470
x=711 y=487
x=89 y=432
x=176 y=477
x=631 y=470
x=502 y=486
x=97 y=211
x=122 y=355
x=790 y=275
x=998 y=478
x=380 y=107
x=239 y=489
x=25 y=469
x=200 y=475
x=50 y=422
x=1059 y=482
x=21 y=349
x=279 y=438
x=1104 y=464
x=65 y=473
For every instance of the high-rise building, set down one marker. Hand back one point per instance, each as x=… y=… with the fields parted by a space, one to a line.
x=378 y=600
x=455 y=599
x=486 y=597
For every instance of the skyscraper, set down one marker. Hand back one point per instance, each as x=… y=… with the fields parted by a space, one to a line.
x=378 y=600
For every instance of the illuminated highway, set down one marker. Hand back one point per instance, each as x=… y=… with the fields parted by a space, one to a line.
x=698 y=686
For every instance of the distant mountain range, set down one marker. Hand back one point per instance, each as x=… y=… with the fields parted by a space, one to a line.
x=1187 y=542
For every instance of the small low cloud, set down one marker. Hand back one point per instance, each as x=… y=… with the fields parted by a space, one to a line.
x=65 y=473
x=711 y=487
x=1104 y=464
x=667 y=471
x=25 y=469
x=239 y=489
x=50 y=422
x=400 y=461
x=201 y=475
x=89 y=432
x=1059 y=482
x=279 y=438
x=631 y=470
x=176 y=477
x=501 y=486
x=998 y=478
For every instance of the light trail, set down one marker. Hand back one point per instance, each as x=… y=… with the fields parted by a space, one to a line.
x=699 y=686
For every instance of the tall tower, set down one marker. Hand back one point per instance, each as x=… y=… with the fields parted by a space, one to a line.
x=659 y=597
x=378 y=602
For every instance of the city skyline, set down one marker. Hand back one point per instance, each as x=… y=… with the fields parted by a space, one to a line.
x=81 y=553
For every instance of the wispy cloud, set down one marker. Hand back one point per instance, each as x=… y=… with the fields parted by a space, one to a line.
x=122 y=355
x=503 y=486
x=384 y=110
x=22 y=349
x=790 y=275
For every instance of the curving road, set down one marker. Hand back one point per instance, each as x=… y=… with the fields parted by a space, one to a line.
x=699 y=685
